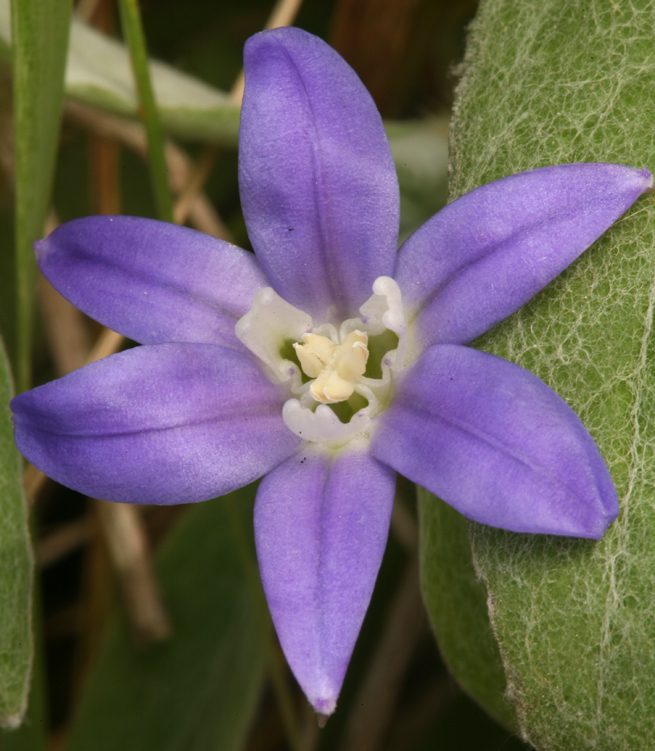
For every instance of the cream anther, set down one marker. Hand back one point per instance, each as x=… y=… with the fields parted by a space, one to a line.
x=335 y=367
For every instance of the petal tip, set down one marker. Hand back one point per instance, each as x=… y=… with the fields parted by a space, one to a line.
x=324 y=707
x=41 y=249
x=263 y=38
x=639 y=180
x=648 y=181
x=594 y=526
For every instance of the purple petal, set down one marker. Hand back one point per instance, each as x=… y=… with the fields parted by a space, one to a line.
x=321 y=527
x=169 y=423
x=496 y=443
x=486 y=254
x=152 y=281
x=318 y=184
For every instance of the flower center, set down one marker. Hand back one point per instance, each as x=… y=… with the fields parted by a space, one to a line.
x=335 y=367
x=352 y=369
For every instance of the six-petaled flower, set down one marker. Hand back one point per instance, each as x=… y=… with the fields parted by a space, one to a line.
x=328 y=360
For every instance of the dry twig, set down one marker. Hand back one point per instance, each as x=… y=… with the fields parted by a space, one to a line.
x=64 y=540
x=127 y=541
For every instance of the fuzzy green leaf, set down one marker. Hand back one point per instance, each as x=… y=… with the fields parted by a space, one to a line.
x=15 y=569
x=199 y=689
x=456 y=602
x=545 y=82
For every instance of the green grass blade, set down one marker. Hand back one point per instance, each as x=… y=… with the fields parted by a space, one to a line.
x=133 y=31
x=40 y=39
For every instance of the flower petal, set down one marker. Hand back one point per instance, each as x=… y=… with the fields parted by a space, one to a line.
x=496 y=443
x=486 y=254
x=152 y=281
x=321 y=527
x=318 y=185
x=169 y=423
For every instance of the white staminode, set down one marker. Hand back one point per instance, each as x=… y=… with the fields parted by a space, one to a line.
x=335 y=360
x=268 y=326
x=335 y=367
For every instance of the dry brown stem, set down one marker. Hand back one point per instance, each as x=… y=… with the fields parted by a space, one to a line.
x=64 y=540
x=127 y=541
x=68 y=337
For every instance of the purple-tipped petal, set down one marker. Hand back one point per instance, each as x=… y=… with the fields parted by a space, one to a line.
x=492 y=440
x=169 y=423
x=318 y=184
x=486 y=254
x=321 y=527
x=152 y=281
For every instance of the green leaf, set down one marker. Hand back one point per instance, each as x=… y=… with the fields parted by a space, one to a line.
x=549 y=81
x=133 y=32
x=40 y=33
x=15 y=569
x=199 y=689
x=99 y=73
x=457 y=604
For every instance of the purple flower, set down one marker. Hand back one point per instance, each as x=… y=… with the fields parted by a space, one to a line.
x=329 y=360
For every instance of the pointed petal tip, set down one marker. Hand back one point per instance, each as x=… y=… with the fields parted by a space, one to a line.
x=649 y=185
x=589 y=530
x=593 y=523
x=642 y=178
x=610 y=515
x=324 y=707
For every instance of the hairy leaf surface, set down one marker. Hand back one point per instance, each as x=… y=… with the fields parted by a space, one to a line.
x=546 y=82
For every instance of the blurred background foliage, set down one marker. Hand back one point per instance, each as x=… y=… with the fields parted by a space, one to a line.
x=176 y=651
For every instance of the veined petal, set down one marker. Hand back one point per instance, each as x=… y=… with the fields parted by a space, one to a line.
x=492 y=440
x=318 y=185
x=486 y=254
x=152 y=281
x=321 y=526
x=169 y=423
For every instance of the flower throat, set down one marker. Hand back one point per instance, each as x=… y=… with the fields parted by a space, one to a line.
x=338 y=379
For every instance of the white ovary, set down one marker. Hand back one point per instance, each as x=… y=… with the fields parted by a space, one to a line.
x=335 y=361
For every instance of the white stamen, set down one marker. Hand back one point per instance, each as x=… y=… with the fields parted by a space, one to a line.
x=335 y=367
